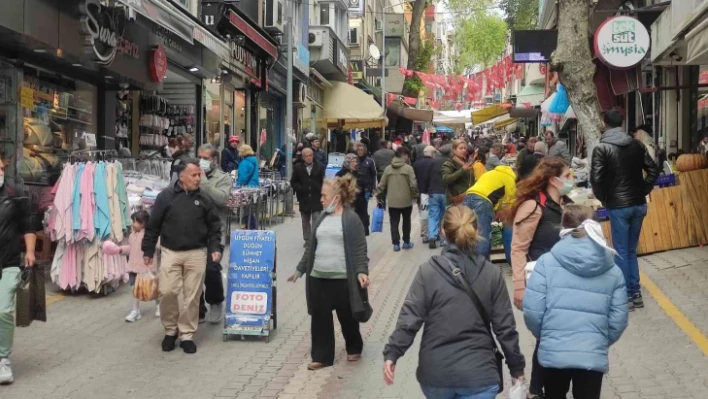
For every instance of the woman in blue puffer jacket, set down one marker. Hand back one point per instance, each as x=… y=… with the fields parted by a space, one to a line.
x=247 y=168
x=576 y=305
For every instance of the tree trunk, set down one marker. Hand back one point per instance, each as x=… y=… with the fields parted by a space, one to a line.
x=573 y=61
x=414 y=41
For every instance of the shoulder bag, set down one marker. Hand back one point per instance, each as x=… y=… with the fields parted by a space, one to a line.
x=498 y=356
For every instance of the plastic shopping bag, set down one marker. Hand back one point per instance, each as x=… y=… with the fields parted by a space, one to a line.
x=146 y=287
x=528 y=269
x=377 y=220
x=424 y=199
x=518 y=391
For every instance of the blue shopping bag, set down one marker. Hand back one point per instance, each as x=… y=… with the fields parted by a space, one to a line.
x=377 y=220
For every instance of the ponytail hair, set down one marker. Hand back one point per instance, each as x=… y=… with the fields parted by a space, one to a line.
x=345 y=187
x=460 y=226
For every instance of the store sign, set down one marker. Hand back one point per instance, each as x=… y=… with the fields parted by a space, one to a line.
x=622 y=42
x=247 y=62
x=357 y=68
x=167 y=37
x=209 y=41
x=395 y=25
x=356 y=7
x=163 y=13
x=126 y=47
x=342 y=60
x=277 y=80
x=253 y=34
x=158 y=64
x=103 y=27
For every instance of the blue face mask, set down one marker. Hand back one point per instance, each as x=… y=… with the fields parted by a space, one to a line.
x=205 y=165
x=567 y=186
x=332 y=205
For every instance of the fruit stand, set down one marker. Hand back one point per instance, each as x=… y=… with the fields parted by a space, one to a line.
x=677 y=216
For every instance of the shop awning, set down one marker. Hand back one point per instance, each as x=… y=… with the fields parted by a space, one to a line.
x=520 y=112
x=486 y=114
x=165 y=15
x=444 y=129
x=504 y=121
x=697 y=46
x=531 y=95
x=413 y=114
x=349 y=107
x=452 y=118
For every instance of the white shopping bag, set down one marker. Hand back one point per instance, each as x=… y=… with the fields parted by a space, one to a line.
x=518 y=391
x=529 y=269
x=424 y=206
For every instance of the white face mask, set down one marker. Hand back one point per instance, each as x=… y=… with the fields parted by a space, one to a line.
x=205 y=165
x=332 y=205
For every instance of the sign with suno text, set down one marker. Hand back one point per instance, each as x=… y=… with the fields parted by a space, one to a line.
x=622 y=42
x=249 y=299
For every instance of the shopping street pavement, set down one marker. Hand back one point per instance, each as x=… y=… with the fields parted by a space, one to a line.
x=87 y=350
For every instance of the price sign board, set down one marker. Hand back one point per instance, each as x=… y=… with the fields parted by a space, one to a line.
x=250 y=282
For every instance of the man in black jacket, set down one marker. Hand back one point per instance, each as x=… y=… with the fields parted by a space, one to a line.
x=15 y=228
x=423 y=168
x=187 y=223
x=229 y=155
x=382 y=158
x=306 y=181
x=367 y=171
x=617 y=178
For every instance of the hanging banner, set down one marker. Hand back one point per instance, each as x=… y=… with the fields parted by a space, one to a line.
x=249 y=296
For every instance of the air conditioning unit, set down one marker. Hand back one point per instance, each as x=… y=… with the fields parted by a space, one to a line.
x=354 y=39
x=378 y=24
x=300 y=95
x=274 y=16
x=315 y=39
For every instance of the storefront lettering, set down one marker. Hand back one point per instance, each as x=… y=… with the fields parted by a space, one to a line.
x=245 y=60
x=158 y=64
x=128 y=48
x=103 y=27
x=167 y=38
x=622 y=42
x=341 y=58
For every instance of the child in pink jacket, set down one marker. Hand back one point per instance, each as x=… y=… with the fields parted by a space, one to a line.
x=135 y=261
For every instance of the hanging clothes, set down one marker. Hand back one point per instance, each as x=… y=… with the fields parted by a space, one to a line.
x=115 y=212
x=102 y=216
x=122 y=197
x=76 y=201
x=88 y=204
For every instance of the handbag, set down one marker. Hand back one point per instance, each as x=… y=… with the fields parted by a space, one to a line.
x=30 y=303
x=364 y=315
x=457 y=200
x=498 y=356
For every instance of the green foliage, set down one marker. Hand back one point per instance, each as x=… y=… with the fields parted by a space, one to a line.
x=480 y=38
x=423 y=60
x=520 y=14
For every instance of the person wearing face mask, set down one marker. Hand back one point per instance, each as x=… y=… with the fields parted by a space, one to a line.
x=536 y=212
x=336 y=266
x=15 y=228
x=187 y=223
x=216 y=185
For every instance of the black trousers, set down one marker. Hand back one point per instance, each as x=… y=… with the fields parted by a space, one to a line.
x=327 y=295
x=537 y=374
x=586 y=384
x=213 y=287
x=395 y=215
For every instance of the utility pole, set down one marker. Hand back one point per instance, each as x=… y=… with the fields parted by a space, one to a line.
x=383 y=62
x=289 y=103
x=289 y=89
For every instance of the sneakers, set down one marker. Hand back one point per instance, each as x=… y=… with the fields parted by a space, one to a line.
x=407 y=245
x=396 y=248
x=6 y=372
x=134 y=315
x=215 y=313
x=202 y=318
x=169 y=343
x=188 y=347
x=425 y=240
x=431 y=244
x=637 y=300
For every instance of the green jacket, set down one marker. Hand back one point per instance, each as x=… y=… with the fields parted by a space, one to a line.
x=398 y=184
x=217 y=186
x=456 y=179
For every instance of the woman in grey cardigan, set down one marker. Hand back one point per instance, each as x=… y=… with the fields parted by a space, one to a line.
x=337 y=267
x=457 y=354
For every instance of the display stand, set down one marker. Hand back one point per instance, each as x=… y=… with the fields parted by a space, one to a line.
x=251 y=290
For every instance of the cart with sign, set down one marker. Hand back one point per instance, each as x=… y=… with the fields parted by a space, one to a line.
x=251 y=289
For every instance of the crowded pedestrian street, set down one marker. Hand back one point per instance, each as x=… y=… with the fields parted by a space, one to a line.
x=87 y=350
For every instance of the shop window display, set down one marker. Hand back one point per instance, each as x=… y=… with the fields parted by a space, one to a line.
x=59 y=117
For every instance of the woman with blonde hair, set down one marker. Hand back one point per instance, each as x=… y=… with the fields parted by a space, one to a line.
x=248 y=167
x=460 y=298
x=336 y=267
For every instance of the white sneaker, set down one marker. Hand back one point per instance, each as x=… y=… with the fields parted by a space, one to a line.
x=215 y=315
x=6 y=372
x=134 y=315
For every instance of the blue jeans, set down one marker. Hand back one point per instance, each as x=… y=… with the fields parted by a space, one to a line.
x=489 y=392
x=626 y=226
x=507 y=234
x=485 y=216
x=436 y=210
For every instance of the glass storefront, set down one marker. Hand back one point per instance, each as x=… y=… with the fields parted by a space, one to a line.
x=701 y=129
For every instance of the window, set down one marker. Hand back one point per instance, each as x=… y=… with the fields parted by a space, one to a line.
x=353 y=35
x=324 y=14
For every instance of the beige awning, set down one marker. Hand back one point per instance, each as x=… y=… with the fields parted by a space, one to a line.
x=348 y=107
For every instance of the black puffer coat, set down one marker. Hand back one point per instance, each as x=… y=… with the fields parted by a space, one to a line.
x=15 y=222
x=618 y=166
